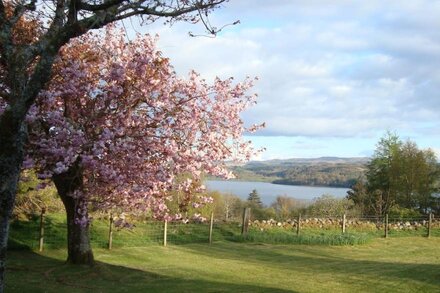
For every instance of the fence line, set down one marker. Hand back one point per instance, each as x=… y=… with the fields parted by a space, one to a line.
x=211 y=225
x=110 y=232
x=157 y=232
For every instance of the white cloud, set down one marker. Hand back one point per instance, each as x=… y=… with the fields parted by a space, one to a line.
x=344 y=68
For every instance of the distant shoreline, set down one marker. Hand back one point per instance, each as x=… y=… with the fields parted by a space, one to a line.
x=276 y=183
x=313 y=185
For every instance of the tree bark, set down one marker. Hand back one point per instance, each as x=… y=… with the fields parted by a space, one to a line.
x=78 y=237
x=13 y=136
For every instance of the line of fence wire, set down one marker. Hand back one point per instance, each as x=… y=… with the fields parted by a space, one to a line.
x=145 y=233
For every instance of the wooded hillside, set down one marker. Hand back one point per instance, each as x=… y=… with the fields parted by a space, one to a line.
x=325 y=171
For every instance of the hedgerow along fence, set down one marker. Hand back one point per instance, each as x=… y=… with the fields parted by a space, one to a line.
x=50 y=232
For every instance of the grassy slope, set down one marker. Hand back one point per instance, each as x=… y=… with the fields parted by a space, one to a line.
x=407 y=264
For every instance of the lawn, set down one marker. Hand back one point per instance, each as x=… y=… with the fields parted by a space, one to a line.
x=403 y=264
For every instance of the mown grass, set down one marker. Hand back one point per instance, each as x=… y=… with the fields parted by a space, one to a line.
x=383 y=265
x=261 y=261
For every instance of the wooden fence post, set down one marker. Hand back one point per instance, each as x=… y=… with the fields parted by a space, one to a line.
x=245 y=224
x=41 y=240
x=298 y=225
x=210 y=227
x=343 y=223
x=386 y=225
x=110 y=232
x=429 y=224
x=165 y=233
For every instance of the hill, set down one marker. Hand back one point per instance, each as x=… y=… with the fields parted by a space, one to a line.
x=324 y=171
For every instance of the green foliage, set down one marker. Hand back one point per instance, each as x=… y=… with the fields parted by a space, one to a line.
x=258 y=211
x=262 y=213
x=32 y=197
x=398 y=174
x=227 y=207
x=242 y=173
x=287 y=207
x=403 y=213
x=254 y=200
x=360 y=197
x=330 y=206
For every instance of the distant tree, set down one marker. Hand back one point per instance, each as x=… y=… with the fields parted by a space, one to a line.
x=363 y=201
x=232 y=207
x=285 y=206
x=227 y=207
x=418 y=178
x=383 y=173
x=258 y=211
x=399 y=175
x=327 y=206
x=254 y=199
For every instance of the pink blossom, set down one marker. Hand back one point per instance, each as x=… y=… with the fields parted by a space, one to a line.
x=121 y=112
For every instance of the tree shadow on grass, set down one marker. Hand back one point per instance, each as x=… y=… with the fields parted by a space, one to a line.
x=315 y=262
x=31 y=272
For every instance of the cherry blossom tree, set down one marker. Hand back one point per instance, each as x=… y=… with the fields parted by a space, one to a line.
x=25 y=66
x=115 y=126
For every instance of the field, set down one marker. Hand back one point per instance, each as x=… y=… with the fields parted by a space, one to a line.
x=403 y=264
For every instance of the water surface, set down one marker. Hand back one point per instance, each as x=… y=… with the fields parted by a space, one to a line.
x=269 y=191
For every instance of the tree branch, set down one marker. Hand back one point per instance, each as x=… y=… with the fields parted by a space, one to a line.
x=59 y=17
x=97 y=7
x=117 y=11
x=61 y=32
x=73 y=11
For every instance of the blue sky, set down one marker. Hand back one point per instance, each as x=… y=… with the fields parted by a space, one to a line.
x=334 y=75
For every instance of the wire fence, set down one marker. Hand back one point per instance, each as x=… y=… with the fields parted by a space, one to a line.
x=51 y=233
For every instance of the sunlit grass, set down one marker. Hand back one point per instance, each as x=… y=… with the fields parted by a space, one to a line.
x=383 y=265
x=316 y=238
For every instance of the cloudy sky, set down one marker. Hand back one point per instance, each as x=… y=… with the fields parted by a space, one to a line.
x=334 y=76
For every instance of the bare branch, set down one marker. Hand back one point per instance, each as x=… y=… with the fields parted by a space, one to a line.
x=97 y=7
x=73 y=11
x=213 y=31
x=117 y=12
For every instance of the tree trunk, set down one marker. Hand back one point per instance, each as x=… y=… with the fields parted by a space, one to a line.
x=78 y=236
x=12 y=138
